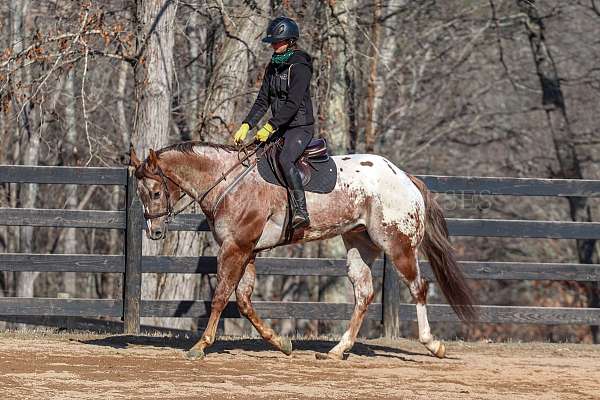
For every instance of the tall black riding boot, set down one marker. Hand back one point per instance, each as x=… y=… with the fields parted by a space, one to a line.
x=299 y=214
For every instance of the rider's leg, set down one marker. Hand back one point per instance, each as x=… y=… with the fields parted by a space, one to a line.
x=295 y=141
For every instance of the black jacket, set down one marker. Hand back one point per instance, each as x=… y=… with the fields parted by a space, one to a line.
x=286 y=88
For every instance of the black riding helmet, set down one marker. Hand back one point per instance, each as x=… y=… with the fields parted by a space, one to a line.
x=281 y=28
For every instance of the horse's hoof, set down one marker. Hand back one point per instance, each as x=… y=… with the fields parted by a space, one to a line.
x=286 y=346
x=330 y=356
x=441 y=351
x=195 y=354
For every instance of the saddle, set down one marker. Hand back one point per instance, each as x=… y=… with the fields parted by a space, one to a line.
x=317 y=169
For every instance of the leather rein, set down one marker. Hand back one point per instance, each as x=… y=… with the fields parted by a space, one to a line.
x=170 y=213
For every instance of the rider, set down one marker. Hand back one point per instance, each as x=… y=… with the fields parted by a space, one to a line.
x=286 y=88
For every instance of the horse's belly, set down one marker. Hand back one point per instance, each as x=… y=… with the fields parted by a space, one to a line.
x=331 y=215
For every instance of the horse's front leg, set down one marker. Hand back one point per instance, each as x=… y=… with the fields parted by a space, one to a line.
x=243 y=295
x=231 y=262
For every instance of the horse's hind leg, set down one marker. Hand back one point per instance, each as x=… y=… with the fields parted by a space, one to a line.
x=361 y=254
x=418 y=289
x=243 y=294
x=404 y=257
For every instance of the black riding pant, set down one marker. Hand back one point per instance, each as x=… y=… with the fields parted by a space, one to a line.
x=295 y=141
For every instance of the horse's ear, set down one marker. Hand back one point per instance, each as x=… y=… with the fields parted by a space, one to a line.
x=152 y=159
x=134 y=161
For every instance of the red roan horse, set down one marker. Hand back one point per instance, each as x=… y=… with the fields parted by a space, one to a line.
x=374 y=206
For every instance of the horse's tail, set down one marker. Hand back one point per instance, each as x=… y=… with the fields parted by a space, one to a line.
x=438 y=249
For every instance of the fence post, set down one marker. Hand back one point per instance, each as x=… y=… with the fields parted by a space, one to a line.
x=132 y=281
x=391 y=300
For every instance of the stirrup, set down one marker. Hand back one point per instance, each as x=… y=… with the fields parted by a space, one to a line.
x=300 y=221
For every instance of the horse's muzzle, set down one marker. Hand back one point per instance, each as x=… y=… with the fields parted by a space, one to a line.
x=156 y=234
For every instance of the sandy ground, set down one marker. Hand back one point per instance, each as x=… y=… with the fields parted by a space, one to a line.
x=69 y=366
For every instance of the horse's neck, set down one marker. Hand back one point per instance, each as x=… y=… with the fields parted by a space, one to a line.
x=200 y=170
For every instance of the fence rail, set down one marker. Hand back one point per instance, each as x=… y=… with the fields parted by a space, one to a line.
x=195 y=222
x=15 y=306
x=132 y=264
x=435 y=183
x=479 y=270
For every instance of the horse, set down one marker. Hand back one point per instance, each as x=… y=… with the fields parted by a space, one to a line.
x=374 y=206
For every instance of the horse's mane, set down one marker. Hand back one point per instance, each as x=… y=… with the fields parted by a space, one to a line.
x=188 y=147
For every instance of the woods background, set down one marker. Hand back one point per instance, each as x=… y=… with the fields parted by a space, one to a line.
x=490 y=88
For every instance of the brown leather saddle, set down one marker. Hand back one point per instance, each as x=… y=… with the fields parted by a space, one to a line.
x=317 y=169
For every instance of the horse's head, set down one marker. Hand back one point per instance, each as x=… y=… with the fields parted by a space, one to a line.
x=157 y=192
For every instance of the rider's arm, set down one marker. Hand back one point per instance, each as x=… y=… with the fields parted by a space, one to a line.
x=300 y=75
x=261 y=104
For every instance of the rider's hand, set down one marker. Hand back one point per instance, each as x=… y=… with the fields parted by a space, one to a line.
x=241 y=133
x=264 y=132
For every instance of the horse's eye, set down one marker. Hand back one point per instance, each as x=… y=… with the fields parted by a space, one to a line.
x=156 y=195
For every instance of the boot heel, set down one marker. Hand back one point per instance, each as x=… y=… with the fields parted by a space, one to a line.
x=300 y=221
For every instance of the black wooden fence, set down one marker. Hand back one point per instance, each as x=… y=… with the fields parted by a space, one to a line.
x=132 y=264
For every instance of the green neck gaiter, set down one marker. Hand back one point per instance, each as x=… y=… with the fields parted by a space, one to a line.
x=281 y=58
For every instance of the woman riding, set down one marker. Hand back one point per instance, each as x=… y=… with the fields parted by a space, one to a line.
x=286 y=89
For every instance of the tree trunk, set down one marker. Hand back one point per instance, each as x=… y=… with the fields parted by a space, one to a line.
x=109 y=283
x=334 y=77
x=229 y=76
x=388 y=73
x=370 y=129
x=153 y=90
x=70 y=157
x=563 y=138
x=122 y=118
x=153 y=73
x=29 y=141
x=195 y=33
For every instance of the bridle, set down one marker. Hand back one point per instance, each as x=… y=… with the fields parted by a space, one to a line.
x=170 y=212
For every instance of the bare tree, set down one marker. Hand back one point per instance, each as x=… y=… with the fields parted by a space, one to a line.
x=153 y=74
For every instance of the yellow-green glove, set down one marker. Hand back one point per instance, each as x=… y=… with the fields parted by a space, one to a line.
x=264 y=132
x=241 y=133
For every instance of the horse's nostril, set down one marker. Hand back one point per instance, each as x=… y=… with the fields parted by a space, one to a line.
x=157 y=233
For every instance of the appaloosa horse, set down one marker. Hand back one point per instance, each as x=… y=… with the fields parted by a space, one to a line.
x=374 y=206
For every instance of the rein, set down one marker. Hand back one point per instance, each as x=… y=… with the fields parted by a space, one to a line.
x=170 y=213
